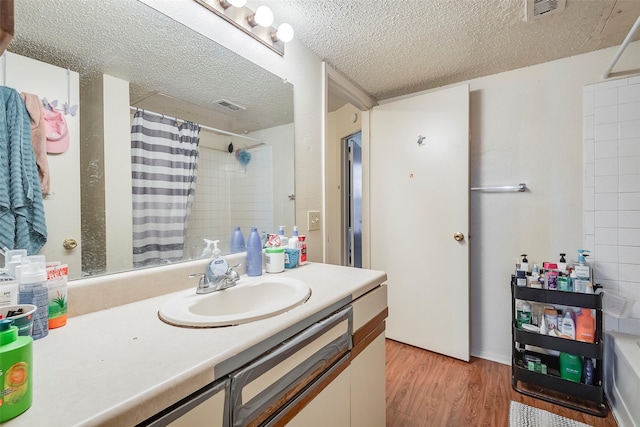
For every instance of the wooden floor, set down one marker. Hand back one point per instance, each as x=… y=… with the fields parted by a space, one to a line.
x=428 y=389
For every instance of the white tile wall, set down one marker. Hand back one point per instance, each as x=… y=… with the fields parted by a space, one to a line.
x=229 y=194
x=611 y=188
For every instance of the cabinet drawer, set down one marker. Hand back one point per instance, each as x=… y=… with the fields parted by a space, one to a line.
x=260 y=389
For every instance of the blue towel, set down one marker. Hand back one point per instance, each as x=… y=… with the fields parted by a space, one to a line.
x=22 y=221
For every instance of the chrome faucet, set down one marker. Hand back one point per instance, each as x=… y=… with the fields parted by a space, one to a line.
x=224 y=281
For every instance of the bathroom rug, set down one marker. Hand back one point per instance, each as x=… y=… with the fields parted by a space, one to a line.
x=521 y=415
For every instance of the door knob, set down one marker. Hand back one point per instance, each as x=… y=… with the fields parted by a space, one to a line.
x=458 y=236
x=69 y=244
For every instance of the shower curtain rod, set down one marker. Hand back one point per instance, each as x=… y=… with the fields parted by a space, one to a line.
x=209 y=128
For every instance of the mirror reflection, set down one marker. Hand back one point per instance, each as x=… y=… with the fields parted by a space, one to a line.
x=125 y=196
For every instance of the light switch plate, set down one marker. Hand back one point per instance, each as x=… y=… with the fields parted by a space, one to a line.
x=313 y=220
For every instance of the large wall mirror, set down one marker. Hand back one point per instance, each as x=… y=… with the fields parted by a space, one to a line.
x=126 y=59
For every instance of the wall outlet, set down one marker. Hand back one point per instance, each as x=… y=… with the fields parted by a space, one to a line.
x=313 y=220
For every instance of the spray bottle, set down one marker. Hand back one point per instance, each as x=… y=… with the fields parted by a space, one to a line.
x=583 y=272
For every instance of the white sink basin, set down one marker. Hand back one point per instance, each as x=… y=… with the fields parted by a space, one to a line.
x=253 y=298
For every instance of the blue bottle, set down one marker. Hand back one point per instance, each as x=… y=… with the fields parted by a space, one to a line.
x=254 y=253
x=237 y=241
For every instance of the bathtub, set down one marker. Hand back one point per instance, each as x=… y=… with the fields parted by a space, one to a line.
x=622 y=377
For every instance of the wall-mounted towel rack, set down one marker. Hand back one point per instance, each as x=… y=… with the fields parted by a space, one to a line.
x=520 y=188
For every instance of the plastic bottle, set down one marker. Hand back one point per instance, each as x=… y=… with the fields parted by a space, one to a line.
x=570 y=367
x=16 y=356
x=568 y=327
x=303 y=250
x=33 y=290
x=583 y=272
x=585 y=326
x=562 y=264
x=218 y=265
x=237 y=241
x=294 y=242
x=254 y=253
x=208 y=250
x=588 y=371
x=524 y=265
x=8 y=291
x=523 y=312
x=284 y=240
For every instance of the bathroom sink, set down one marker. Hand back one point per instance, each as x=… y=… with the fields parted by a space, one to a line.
x=253 y=298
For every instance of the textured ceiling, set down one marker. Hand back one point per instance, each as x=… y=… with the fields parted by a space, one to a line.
x=395 y=47
x=171 y=69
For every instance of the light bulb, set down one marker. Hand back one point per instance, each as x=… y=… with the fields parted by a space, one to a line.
x=285 y=33
x=263 y=16
x=237 y=3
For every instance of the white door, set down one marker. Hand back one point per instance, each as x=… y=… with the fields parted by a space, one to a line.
x=62 y=206
x=419 y=199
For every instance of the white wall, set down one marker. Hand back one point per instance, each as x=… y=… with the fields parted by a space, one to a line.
x=526 y=126
x=612 y=190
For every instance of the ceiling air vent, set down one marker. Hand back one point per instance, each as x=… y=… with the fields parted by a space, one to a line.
x=537 y=9
x=229 y=105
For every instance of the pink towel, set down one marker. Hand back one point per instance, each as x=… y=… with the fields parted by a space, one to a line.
x=38 y=138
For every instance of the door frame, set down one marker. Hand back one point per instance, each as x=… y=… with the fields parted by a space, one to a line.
x=334 y=84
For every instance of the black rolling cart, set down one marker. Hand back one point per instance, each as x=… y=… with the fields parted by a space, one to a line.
x=550 y=386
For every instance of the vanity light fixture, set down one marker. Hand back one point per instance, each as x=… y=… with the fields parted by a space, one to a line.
x=255 y=24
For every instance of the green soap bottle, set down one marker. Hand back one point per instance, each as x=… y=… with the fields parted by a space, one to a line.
x=15 y=371
x=570 y=367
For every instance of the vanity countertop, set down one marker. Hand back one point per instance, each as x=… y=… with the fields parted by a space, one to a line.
x=121 y=365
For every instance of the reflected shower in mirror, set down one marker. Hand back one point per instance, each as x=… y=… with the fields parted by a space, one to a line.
x=116 y=58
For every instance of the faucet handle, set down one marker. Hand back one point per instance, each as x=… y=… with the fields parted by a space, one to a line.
x=233 y=275
x=204 y=279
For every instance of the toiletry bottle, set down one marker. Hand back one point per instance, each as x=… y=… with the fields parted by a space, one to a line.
x=57 y=276
x=237 y=241
x=284 y=240
x=294 y=242
x=303 y=250
x=523 y=312
x=533 y=279
x=207 y=251
x=521 y=278
x=254 y=253
x=218 y=265
x=33 y=290
x=274 y=259
x=568 y=327
x=8 y=291
x=588 y=371
x=585 y=326
x=583 y=272
x=524 y=265
x=562 y=264
x=550 y=276
x=570 y=367
x=16 y=354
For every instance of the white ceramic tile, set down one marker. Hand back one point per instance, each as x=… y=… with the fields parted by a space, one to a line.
x=589 y=88
x=629 y=202
x=621 y=82
x=629 y=165
x=606 y=253
x=606 y=202
x=611 y=324
x=629 y=219
x=606 y=271
x=628 y=236
x=588 y=199
x=606 y=236
x=606 y=219
x=630 y=111
x=588 y=222
x=589 y=127
x=634 y=80
x=606 y=96
x=589 y=241
x=629 y=255
x=629 y=183
x=606 y=149
x=629 y=129
x=629 y=325
x=588 y=150
x=606 y=167
x=629 y=147
x=607 y=114
x=606 y=184
x=607 y=132
x=588 y=103
x=629 y=272
x=631 y=93
x=589 y=175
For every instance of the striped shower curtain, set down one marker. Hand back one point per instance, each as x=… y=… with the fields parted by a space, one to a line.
x=164 y=158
